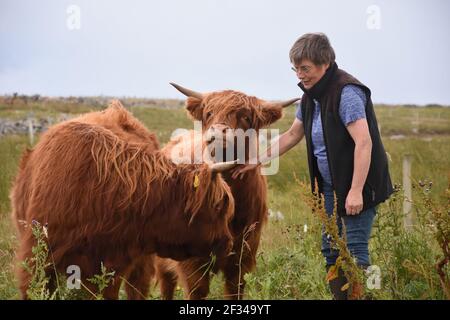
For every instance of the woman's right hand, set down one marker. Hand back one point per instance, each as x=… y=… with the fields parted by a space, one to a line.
x=240 y=170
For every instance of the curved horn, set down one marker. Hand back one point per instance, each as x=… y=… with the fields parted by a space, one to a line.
x=187 y=92
x=287 y=103
x=282 y=104
x=223 y=166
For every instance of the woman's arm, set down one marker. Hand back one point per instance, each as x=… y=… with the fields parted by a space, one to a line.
x=359 y=131
x=286 y=142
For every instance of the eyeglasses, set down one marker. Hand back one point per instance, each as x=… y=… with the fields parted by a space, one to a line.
x=304 y=69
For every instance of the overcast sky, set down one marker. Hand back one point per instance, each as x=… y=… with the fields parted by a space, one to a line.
x=399 y=48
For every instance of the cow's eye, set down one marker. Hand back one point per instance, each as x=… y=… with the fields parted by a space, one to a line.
x=246 y=119
x=208 y=114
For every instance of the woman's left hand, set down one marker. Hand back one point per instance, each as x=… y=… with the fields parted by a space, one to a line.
x=354 y=202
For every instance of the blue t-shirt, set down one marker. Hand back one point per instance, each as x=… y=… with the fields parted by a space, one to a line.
x=351 y=108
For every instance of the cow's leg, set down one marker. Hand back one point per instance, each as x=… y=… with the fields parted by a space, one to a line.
x=137 y=282
x=195 y=279
x=89 y=269
x=167 y=279
x=91 y=266
x=24 y=252
x=234 y=283
x=24 y=279
x=112 y=291
x=237 y=266
x=198 y=286
x=52 y=281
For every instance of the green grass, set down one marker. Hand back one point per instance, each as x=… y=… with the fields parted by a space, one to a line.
x=290 y=265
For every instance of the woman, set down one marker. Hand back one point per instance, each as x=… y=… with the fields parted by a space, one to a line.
x=345 y=152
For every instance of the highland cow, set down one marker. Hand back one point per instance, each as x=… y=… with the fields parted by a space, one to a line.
x=107 y=195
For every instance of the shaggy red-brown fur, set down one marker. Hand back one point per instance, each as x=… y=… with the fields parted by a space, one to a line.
x=107 y=195
x=229 y=110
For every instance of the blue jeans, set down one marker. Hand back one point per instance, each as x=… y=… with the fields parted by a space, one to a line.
x=358 y=228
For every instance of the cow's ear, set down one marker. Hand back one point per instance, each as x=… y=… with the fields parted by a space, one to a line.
x=268 y=114
x=195 y=108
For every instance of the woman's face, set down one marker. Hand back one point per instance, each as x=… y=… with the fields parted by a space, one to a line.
x=309 y=73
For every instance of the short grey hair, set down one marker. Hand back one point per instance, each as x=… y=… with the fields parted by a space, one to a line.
x=312 y=46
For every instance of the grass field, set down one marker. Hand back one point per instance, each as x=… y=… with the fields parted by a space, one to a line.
x=290 y=265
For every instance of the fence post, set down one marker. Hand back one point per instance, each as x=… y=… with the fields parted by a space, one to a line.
x=31 y=131
x=407 y=187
